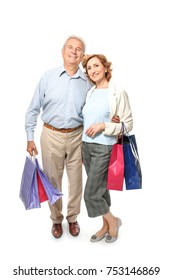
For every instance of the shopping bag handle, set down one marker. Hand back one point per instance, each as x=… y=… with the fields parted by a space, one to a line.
x=33 y=157
x=121 y=135
x=134 y=151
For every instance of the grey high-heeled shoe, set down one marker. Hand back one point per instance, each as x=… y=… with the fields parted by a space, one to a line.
x=95 y=238
x=109 y=238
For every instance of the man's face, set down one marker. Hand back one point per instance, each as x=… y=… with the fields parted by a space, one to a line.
x=73 y=52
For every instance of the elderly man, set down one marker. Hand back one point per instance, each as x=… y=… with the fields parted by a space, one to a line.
x=61 y=94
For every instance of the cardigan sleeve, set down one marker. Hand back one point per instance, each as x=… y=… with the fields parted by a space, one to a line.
x=123 y=110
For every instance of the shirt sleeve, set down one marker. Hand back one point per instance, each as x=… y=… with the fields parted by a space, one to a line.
x=125 y=114
x=33 y=110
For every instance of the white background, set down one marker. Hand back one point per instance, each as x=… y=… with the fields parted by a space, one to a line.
x=137 y=37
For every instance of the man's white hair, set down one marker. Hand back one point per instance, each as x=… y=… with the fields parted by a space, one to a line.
x=77 y=38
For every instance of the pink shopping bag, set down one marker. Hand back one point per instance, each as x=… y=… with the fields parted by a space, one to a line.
x=116 y=169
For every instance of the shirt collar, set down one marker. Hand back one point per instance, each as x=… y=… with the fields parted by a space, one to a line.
x=78 y=74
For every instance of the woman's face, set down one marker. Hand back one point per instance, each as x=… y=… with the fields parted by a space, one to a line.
x=96 y=70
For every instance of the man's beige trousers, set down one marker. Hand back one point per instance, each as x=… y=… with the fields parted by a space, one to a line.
x=60 y=151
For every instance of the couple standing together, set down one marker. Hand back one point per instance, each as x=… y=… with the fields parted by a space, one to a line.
x=82 y=115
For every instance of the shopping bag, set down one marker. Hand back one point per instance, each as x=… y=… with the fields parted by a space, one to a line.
x=52 y=193
x=29 y=188
x=116 y=168
x=41 y=191
x=132 y=167
x=35 y=186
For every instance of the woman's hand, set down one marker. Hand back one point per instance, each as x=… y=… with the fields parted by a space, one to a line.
x=94 y=129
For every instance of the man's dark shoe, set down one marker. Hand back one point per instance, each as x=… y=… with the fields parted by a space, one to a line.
x=57 y=230
x=74 y=229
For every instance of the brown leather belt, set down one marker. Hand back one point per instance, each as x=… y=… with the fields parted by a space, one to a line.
x=63 y=130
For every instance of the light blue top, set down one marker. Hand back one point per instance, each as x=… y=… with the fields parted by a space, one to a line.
x=96 y=110
x=61 y=98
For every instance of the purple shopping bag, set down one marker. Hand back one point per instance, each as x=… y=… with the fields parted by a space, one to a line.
x=52 y=193
x=29 y=191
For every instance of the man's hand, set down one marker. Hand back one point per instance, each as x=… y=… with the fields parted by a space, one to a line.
x=31 y=148
x=116 y=119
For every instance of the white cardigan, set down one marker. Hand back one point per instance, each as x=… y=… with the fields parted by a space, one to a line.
x=119 y=106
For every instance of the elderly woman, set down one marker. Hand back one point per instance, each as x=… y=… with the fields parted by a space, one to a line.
x=104 y=101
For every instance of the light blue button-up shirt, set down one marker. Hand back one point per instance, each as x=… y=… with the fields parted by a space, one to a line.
x=61 y=99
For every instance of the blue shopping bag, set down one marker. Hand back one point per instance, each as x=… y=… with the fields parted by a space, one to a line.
x=29 y=191
x=132 y=167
